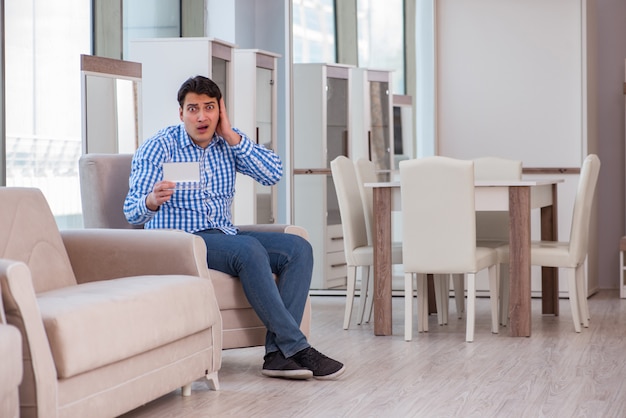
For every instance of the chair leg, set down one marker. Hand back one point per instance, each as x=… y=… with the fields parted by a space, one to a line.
x=503 y=274
x=349 y=296
x=494 y=284
x=186 y=390
x=370 y=296
x=422 y=303
x=459 y=294
x=214 y=382
x=408 y=306
x=582 y=295
x=573 y=298
x=471 y=307
x=439 y=291
x=365 y=295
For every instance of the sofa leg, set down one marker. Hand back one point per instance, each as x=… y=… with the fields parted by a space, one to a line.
x=186 y=390
x=214 y=383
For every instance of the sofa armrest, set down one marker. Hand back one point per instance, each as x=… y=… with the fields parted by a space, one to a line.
x=38 y=391
x=102 y=254
x=11 y=370
x=288 y=229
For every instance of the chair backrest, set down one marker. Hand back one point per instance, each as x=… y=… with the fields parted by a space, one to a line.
x=103 y=188
x=581 y=218
x=495 y=225
x=29 y=233
x=438 y=215
x=366 y=173
x=350 y=206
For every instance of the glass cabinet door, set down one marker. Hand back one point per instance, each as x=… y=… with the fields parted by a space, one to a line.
x=265 y=195
x=380 y=141
x=337 y=118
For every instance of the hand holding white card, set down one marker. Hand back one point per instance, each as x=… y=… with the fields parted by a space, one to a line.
x=182 y=172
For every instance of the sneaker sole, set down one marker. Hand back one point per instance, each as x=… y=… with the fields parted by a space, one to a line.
x=332 y=375
x=289 y=374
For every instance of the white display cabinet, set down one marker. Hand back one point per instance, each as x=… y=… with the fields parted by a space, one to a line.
x=372 y=121
x=167 y=63
x=322 y=111
x=255 y=114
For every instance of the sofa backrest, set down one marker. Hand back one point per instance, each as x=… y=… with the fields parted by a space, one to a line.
x=29 y=233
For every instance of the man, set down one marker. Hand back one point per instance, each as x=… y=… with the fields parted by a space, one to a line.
x=206 y=137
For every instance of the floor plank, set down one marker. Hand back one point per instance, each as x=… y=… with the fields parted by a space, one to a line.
x=554 y=373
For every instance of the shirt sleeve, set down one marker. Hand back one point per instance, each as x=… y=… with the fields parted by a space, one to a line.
x=258 y=162
x=145 y=172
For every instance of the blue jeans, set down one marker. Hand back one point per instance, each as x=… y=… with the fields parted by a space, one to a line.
x=253 y=257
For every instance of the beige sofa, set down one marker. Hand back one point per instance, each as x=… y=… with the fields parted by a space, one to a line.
x=110 y=319
x=10 y=370
x=104 y=185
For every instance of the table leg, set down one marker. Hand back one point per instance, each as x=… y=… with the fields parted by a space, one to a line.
x=382 y=261
x=519 y=262
x=550 y=275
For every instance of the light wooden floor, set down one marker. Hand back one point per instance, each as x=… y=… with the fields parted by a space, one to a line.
x=554 y=373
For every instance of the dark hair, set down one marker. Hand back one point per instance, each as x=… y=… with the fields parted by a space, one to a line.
x=199 y=85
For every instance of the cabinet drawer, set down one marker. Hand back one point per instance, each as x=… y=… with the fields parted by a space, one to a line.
x=334 y=238
x=336 y=265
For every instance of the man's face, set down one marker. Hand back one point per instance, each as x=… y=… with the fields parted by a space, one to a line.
x=200 y=114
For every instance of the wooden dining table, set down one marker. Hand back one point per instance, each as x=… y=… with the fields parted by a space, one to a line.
x=518 y=197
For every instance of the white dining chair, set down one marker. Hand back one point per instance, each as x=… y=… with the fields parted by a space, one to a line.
x=492 y=228
x=439 y=235
x=358 y=251
x=571 y=255
x=366 y=173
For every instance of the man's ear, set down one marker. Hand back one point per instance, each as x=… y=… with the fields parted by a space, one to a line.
x=180 y=113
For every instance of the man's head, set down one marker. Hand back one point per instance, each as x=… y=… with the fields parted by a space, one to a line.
x=199 y=85
x=199 y=100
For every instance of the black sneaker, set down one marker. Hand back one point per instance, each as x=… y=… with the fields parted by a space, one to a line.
x=276 y=365
x=322 y=367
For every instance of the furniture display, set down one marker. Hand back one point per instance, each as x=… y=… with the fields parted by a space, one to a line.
x=516 y=197
x=110 y=319
x=255 y=113
x=358 y=249
x=322 y=107
x=439 y=221
x=104 y=185
x=492 y=228
x=571 y=254
x=11 y=371
x=166 y=63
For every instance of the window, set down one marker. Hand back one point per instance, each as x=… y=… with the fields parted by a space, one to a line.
x=150 y=19
x=381 y=38
x=43 y=44
x=314 y=31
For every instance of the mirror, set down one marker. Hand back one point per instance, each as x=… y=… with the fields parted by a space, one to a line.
x=111 y=90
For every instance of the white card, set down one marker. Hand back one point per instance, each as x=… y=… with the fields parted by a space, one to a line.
x=182 y=172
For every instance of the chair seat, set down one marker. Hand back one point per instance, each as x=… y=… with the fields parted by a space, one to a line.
x=547 y=254
x=365 y=255
x=94 y=324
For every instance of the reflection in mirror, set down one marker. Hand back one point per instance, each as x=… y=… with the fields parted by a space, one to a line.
x=111 y=91
x=404 y=147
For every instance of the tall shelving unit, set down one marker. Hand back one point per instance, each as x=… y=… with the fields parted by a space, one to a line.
x=255 y=113
x=322 y=112
x=167 y=63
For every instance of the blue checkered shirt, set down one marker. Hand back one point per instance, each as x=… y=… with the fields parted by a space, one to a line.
x=204 y=207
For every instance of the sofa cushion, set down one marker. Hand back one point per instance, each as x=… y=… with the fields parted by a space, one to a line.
x=98 y=323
